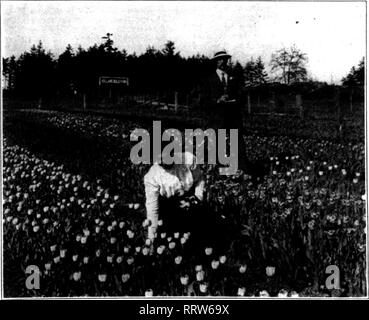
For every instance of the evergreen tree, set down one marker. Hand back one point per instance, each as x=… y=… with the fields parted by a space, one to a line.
x=255 y=73
x=355 y=78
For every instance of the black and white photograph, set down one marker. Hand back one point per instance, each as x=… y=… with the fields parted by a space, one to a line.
x=184 y=149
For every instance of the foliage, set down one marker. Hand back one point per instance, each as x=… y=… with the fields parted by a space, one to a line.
x=355 y=78
x=255 y=73
x=290 y=64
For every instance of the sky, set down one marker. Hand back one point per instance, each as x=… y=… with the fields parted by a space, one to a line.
x=332 y=34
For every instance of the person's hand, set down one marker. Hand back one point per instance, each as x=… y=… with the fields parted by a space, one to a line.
x=193 y=200
x=223 y=98
x=184 y=204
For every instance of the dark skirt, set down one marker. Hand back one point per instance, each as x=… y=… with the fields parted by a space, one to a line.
x=206 y=227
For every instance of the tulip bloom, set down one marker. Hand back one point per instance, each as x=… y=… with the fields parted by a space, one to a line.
x=160 y=249
x=149 y=293
x=215 y=264
x=208 y=251
x=186 y=235
x=145 y=251
x=184 y=280
x=130 y=234
x=241 y=292
x=242 y=269
x=203 y=287
x=200 y=276
x=102 y=277
x=222 y=259
x=198 y=268
x=77 y=276
x=270 y=271
x=283 y=293
x=264 y=293
x=294 y=294
x=125 y=277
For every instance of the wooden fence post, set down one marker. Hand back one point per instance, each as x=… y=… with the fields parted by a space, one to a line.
x=299 y=105
x=84 y=101
x=337 y=99
x=272 y=103
x=248 y=103
x=176 y=101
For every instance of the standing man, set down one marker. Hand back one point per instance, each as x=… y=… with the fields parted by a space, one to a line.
x=220 y=96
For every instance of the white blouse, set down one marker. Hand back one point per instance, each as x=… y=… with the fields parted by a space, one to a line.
x=168 y=183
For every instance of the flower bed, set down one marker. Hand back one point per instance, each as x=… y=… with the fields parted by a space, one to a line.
x=86 y=232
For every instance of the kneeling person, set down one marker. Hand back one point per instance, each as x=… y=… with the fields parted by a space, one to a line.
x=170 y=192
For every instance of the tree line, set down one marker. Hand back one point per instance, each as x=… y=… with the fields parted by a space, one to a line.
x=38 y=73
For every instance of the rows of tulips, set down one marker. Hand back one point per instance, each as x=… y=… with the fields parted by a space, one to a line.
x=352 y=128
x=79 y=123
x=308 y=212
x=87 y=241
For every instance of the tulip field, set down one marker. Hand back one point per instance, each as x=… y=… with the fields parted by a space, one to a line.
x=74 y=207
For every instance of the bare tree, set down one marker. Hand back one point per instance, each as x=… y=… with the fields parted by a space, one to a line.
x=290 y=64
